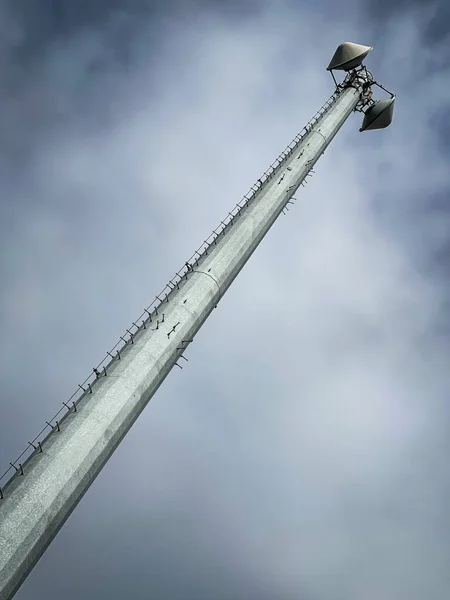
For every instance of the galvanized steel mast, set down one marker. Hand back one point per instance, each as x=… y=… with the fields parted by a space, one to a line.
x=46 y=487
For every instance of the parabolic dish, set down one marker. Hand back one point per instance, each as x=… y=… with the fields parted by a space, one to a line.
x=379 y=115
x=348 y=56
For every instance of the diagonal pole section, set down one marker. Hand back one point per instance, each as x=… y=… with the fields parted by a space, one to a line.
x=36 y=504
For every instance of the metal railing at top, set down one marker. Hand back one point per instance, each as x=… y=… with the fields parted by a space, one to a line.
x=85 y=388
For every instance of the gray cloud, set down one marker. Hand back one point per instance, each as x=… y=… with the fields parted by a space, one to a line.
x=433 y=31
x=302 y=451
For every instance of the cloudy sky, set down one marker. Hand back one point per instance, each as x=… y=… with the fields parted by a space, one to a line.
x=303 y=451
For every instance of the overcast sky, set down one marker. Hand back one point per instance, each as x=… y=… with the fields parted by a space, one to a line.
x=302 y=453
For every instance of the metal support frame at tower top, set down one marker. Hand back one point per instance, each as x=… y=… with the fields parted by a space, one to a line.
x=349 y=57
x=46 y=486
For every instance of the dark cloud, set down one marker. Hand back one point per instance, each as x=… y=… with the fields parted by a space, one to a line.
x=43 y=23
x=440 y=121
x=56 y=59
x=434 y=25
x=67 y=64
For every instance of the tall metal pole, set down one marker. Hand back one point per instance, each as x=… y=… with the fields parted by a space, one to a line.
x=37 y=501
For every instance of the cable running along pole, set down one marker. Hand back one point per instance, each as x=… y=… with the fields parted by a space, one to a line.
x=46 y=487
